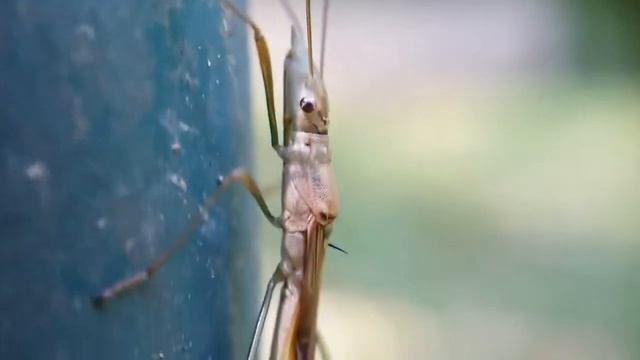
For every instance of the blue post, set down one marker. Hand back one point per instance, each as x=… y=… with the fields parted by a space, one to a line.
x=116 y=117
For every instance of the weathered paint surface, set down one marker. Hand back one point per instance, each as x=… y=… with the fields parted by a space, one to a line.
x=116 y=117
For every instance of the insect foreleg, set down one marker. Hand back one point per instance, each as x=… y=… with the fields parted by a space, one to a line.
x=265 y=68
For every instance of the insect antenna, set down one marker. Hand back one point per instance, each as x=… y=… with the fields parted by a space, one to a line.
x=292 y=15
x=323 y=41
x=309 y=42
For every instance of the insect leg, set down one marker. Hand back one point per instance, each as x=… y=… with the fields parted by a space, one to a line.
x=265 y=68
x=264 y=309
x=238 y=175
x=322 y=346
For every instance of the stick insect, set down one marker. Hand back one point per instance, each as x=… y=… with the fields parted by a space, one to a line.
x=309 y=196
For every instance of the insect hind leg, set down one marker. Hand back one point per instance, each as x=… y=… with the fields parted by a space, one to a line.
x=238 y=175
x=322 y=346
x=276 y=278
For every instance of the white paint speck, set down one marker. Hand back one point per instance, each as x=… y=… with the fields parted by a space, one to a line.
x=178 y=181
x=190 y=80
x=87 y=31
x=204 y=214
x=174 y=125
x=176 y=147
x=37 y=171
x=102 y=223
x=226 y=28
x=208 y=228
x=184 y=127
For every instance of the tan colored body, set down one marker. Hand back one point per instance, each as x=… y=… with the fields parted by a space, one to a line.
x=309 y=205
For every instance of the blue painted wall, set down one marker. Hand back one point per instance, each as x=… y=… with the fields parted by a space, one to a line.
x=116 y=117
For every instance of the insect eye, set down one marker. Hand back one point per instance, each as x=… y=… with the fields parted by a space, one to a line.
x=307 y=105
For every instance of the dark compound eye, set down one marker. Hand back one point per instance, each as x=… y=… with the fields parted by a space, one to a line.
x=307 y=105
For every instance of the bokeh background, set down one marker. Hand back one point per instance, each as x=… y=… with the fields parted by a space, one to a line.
x=488 y=160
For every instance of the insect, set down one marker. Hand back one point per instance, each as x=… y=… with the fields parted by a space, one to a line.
x=309 y=196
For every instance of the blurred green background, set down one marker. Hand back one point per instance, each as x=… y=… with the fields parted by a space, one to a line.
x=487 y=155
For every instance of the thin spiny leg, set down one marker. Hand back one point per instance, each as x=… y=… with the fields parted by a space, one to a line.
x=131 y=282
x=322 y=346
x=276 y=278
x=265 y=68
